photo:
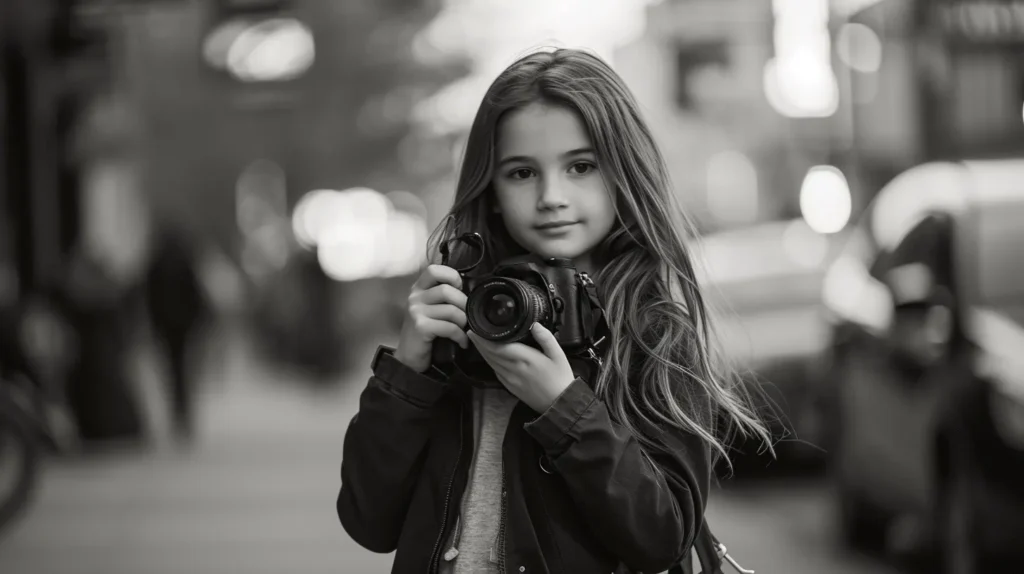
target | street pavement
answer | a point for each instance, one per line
(256, 495)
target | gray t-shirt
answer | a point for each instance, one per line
(472, 547)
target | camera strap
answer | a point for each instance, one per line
(593, 315)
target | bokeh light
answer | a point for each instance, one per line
(825, 201)
(276, 49)
(859, 47)
(799, 81)
(360, 233)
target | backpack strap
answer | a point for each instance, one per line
(710, 553)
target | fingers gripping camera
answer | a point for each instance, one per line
(503, 305)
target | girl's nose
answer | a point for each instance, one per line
(551, 196)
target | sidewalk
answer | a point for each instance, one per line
(256, 495)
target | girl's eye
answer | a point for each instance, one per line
(582, 168)
(520, 173)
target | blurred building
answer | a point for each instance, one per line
(71, 215)
(928, 80)
(286, 95)
(213, 118)
(66, 168)
(748, 96)
(699, 74)
(31, 163)
(743, 100)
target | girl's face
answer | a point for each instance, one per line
(549, 191)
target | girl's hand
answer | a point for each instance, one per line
(535, 377)
(437, 308)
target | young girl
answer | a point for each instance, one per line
(551, 470)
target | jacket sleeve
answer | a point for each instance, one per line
(647, 516)
(384, 449)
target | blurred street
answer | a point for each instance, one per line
(260, 180)
(257, 496)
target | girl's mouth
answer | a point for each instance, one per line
(555, 225)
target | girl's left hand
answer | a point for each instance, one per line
(535, 377)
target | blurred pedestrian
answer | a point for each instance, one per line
(100, 392)
(550, 462)
(177, 309)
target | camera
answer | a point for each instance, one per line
(502, 305)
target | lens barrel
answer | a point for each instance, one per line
(503, 309)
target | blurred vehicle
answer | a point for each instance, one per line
(26, 340)
(764, 281)
(926, 311)
(20, 450)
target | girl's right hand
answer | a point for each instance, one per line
(437, 308)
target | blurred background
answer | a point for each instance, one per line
(211, 212)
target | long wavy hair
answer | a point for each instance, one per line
(661, 364)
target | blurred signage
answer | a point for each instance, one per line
(982, 21)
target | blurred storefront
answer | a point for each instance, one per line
(122, 122)
(71, 211)
(697, 72)
(947, 83)
(250, 107)
(882, 85)
(31, 131)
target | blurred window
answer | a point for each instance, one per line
(926, 243)
(918, 273)
(996, 234)
(691, 60)
(984, 103)
(921, 263)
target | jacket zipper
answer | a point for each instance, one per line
(435, 555)
(501, 524)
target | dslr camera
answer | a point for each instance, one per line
(502, 305)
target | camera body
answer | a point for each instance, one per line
(502, 306)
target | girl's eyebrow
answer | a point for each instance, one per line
(580, 151)
(527, 159)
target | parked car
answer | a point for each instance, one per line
(764, 282)
(925, 306)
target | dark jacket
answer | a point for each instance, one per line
(578, 494)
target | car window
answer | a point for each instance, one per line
(917, 275)
(922, 257)
(997, 238)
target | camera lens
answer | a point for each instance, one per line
(500, 310)
(503, 309)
